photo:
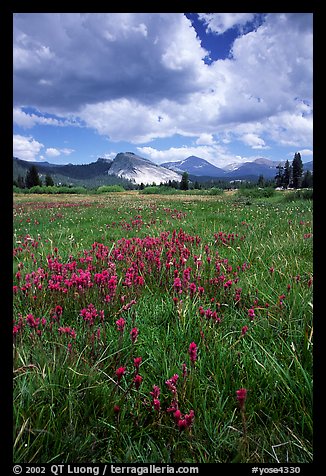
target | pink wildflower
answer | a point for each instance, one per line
(137, 381)
(120, 324)
(156, 392)
(241, 396)
(193, 352)
(134, 334)
(251, 314)
(137, 362)
(120, 372)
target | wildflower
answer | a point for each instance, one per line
(156, 392)
(137, 381)
(190, 418)
(171, 383)
(184, 370)
(177, 414)
(134, 334)
(193, 352)
(156, 404)
(241, 396)
(137, 362)
(116, 409)
(120, 324)
(58, 310)
(244, 330)
(120, 372)
(251, 314)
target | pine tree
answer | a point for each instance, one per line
(261, 181)
(287, 174)
(184, 184)
(49, 181)
(297, 170)
(279, 176)
(20, 181)
(32, 177)
(307, 181)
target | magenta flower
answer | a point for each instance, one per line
(134, 334)
(156, 404)
(241, 396)
(120, 372)
(137, 381)
(137, 362)
(193, 352)
(251, 314)
(156, 392)
(244, 330)
(120, 324)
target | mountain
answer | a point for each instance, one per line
(195, 166)
(133, 167)
(89, 175)
(128, 168)
(257, 167)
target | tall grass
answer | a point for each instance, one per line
(245, 301)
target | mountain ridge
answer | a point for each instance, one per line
(128, 168)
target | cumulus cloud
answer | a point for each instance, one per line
(28, 120)
(52, 152)
(138, 77)
(90, 58)
(216, 155)
(26, 148)
(221, 22)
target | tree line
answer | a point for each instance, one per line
(292, 176)
(33, 179)
(287, 176)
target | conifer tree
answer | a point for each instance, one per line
(297, 170)
(32, 177)
(184, 184)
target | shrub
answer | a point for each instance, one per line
(257, 192)
(302, 194)
(110, 188)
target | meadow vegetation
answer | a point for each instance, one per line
(162, 329)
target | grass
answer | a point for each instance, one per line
(246, 255)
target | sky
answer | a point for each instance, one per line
(226, 87)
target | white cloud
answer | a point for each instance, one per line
(221, 22)
(253, 141)
(29, 120)
(26, 148)
(216, 154)
(205, 139)
(142, 76)
(52, 152)
(67, 151)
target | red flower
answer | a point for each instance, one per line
(156, 404)
(193, 352)
(137, 381)
(244, 330)
(241, 396)
(134, 334)
(156, 392)
(120, 324)
(137, 362)
(120, 372)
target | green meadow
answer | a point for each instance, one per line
(137, 318)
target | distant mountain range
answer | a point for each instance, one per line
(128, 168)
(196, 166)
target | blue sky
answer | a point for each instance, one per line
(227, 87)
